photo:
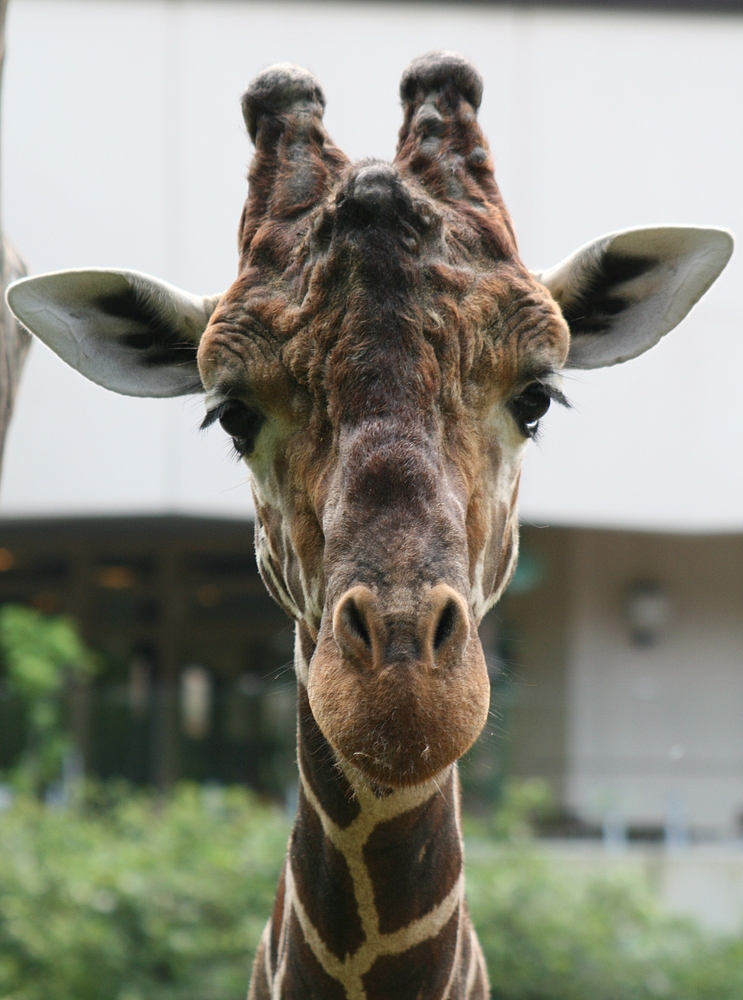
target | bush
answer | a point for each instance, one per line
(42, 656)
(126, 897)
(133, 899)
(547, 939)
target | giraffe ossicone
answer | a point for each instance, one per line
(380, 362)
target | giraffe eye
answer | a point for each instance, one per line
(528, 407)
(241, 422)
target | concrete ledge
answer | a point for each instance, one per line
(701, 881)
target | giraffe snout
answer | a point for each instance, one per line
(398, 683)
(434, 635)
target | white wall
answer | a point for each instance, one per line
(656, 733)
(123, 145)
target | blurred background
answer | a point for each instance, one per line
(617, 653)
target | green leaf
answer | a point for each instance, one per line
(40, 651)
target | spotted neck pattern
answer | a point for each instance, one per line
(370, 903)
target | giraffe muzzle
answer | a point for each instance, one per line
(398, 683)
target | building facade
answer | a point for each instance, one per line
(637, 724)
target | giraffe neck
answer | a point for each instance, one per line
(370, 904)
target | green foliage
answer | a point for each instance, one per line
(39, 650)
(127, 897)
(41, 654)
(545, 938)
(521, 805)
(133, 899)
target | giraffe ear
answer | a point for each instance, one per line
(126, 331)
(623, 292)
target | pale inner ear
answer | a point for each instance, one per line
(623, 292)
(123, 330)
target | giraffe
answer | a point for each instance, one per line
(380, 363)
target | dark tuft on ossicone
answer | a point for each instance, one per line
(437, 70)
(278, 90)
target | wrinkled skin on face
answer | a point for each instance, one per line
(371, 362)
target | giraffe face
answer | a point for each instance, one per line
(380, 363)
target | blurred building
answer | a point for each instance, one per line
(196, 661)
(627, 679)
(622, 641)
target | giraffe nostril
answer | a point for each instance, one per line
(356, 625)
(445, 626)
(354, 621)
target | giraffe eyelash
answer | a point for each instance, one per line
(212, 416)
(556, 395)
(240, 421)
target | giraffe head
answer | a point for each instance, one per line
(380, 363)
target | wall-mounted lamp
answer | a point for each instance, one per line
(196, 701)
(648, 608)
